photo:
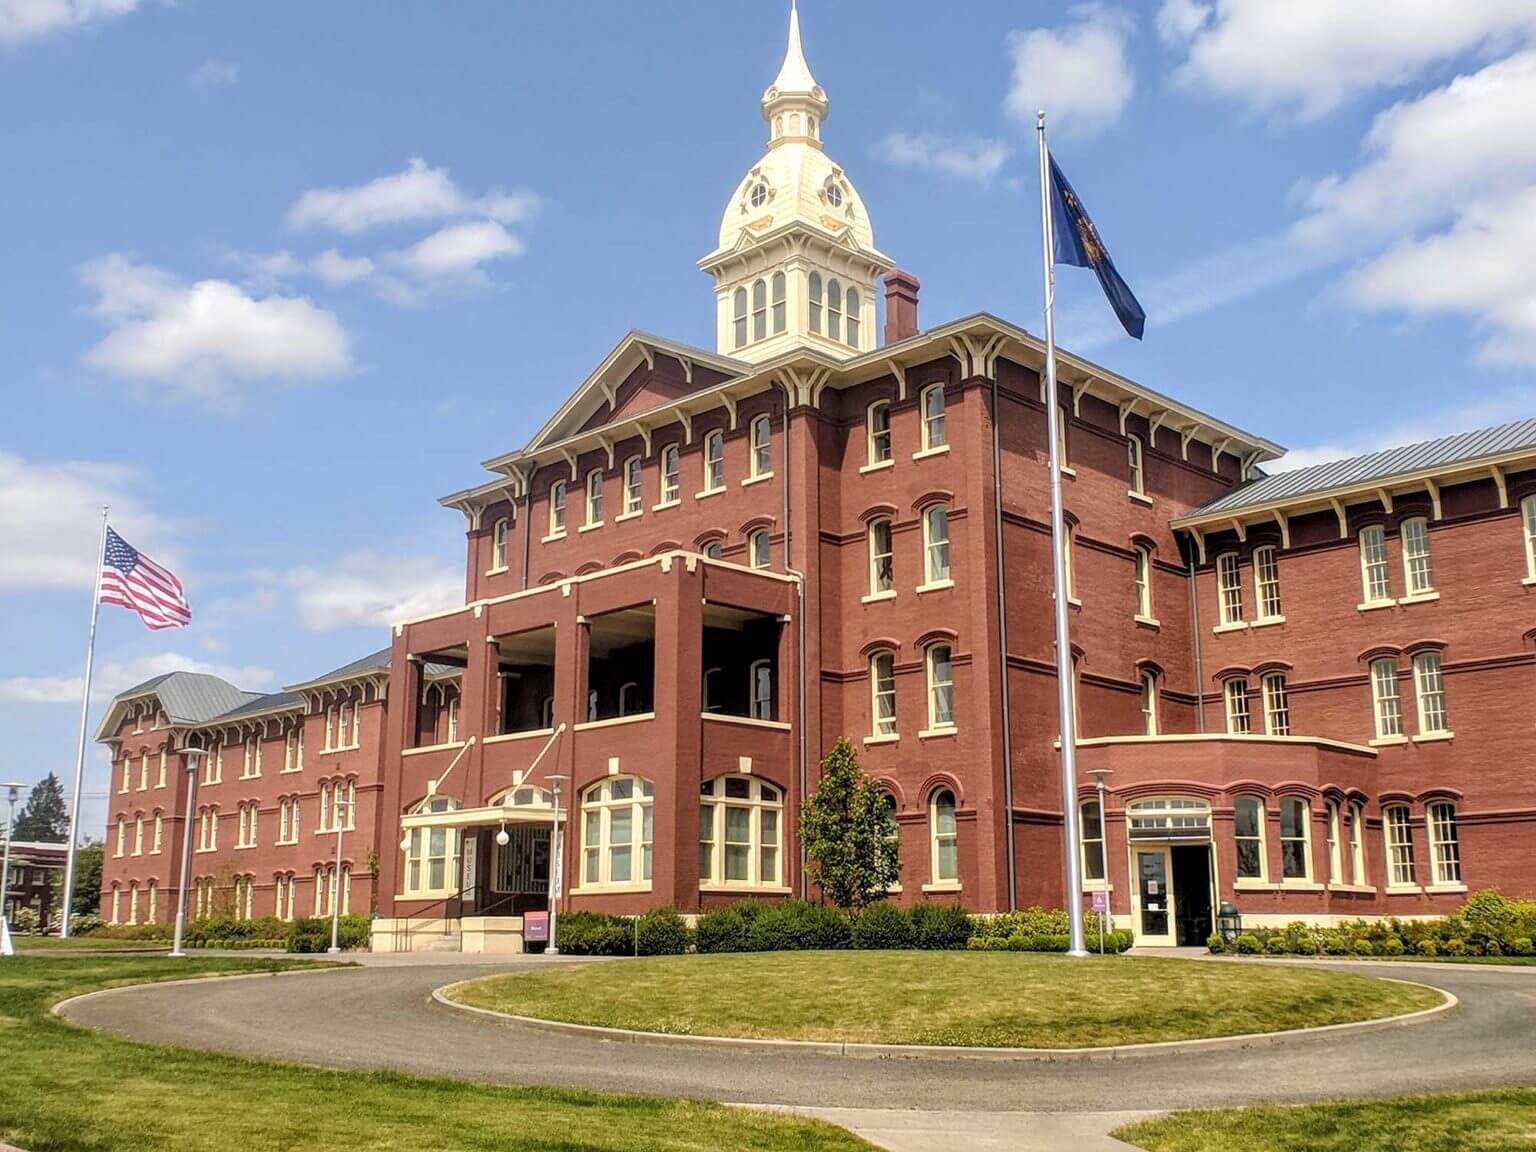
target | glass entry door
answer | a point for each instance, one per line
(1154, 897)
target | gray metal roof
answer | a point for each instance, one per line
(1429, 456)
(372, 664)
(267, 702)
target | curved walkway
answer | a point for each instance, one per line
(383, 1016)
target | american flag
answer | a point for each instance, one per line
(131, 579)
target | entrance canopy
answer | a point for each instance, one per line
(525, 804)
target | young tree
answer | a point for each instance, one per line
(44, 817)
(846, 826)
(87, 901)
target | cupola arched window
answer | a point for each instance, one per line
(778, 302)
(759, 309)
(813, 293)
(853, 318)
(739, 316)
(834, 309)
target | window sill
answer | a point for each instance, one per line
(502, 571)
(1255, 886)
(937, 733)
(1386, 741)
(423, 749)
(1148, 621)
(768, 889)
(1432, 737)
(749, 721)
(598, 889)
(923, 454)
(1300, 886)
(889, 738)
(635, 719)
(635, 515)
(560, 535)
(708, 492)
(943, 886)
(1373, 605)
(758, 479)
(1266, 621)
(1097, 886)
(592, 527)
(291, 771)
(934, 586)
(428, 894)
(355, 747)
(1240, 626)
(1529, 581)
(882, 465)
(1420, 598)
(1443, 889)
(1404, 890)
(876, 597)
(532, 734)
(665, 504)
(1359, 889)
(1139, 497)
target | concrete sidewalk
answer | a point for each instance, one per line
(901, 1130)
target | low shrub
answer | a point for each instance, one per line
(307, 934)
(776, 929)
(25, 921)
(1427, 948)
(1247, 944)
(1392, 946)
(882, 925)
(1306, 947)
(1276, 946)
(721, 930)
(939, 926)
(1363, 947)
(1455, 946)
(826, 928)
(661, 932)
(595, 934)
(1215, 944)
(1522, 946)
(84, 924)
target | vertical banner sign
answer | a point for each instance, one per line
(467, 887)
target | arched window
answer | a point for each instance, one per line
(138, 835)
(1335, 845)
(1357, 844)
(1295, 838)
(154, 902)
(714, 549)
(1277, 704)
(834, 310)
(669, 478)
(935, 544)
(1235, 694)
(711, 690)
(615, 829)
(1444, 843)
(813, 292)
(1248, 835)
(1149, 702)
(760, 549)
(133, 902)
(882, 572)
(547, 712)
(1375, 577)
(1266, 582)
(941, 687)
(344, 725)
(882, 692)
(778, 303)
(944, 837)
(1398, 831)
(1528, 518)
(878, 425)
(759, 309)
(117, 896)
(853, 317)
(1068, 574)
(1418, 576)
(1134, 465)
(761, 437)
(1429, 688)
(714, 461)
(1061, 438)
(1229, 588)
(892, 834)
(431, 856)
(934, 432)
(557, 508)
(633, 499)
(1092, 840)
(739, 317)
(158, 840)
(594, 497)
(1143, 578)
(761, 686)
(1385, 701)
(499, 545)
(629, 699)
(740, 822)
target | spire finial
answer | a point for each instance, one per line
(795, 74)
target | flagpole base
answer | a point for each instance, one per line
(1079, 952)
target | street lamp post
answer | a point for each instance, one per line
(340, 809)
(186, 848)
(1099, 776)
(556, 868)
(13, 794)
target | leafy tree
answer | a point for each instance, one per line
(44, 817)
(87, 901)
(847, 828)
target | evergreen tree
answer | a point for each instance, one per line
(849, 834)
(87, 901)
(44, 817)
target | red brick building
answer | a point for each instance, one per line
(707, 566)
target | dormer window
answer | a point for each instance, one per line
(834, 194)
(759, 194)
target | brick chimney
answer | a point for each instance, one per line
(900, 305)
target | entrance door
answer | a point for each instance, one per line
(1154, 896)
(1192, 893)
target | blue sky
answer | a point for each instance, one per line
(278, 275)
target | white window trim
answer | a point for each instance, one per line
(1368, 598)
(1388, 825)
(1141, 581)
(1306, 840)
(418, 843)
(875, 591)
(1379, 699)
(931, 577)
(1408, 531)
(637, 802)
(872, 459)
(756, 447)
(1151, 699)
(930, 445)
(558, 511)
(1335, 843)
(1229, 590)
(1136, 462)
(1230, 698)
(936, 882)
(1528, 530)
(756, 804)
(1437, 875)
(1277, 704)
(499, 532)
(670, 487)
(1428, 728)
(934, 724)
(634, 493)
(1263, 838)
(713, 437)
(876, 732)
(1267, 556)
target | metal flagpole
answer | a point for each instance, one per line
(1064, 686)
(85, 708)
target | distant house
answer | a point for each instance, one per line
(37, 871)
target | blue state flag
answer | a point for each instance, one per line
(1076, 241)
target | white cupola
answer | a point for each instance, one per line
(796, 262)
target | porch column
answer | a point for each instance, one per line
(399, 723)
(676, 764)
(477, 701)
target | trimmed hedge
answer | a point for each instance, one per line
(1488, 924)
(662, 932)
(882, 926)
(1040, 930)
(313, 933)
(595, 934)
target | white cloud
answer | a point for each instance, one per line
(1314, 55)
(22, 20)
(370, 591)
(199, 341)
(334, 268)
(970, 157)
(458, 250)
(113, 676)
(1484, 266)
(50, 520)
(214, 74)
(419, 193)
(1079, 73)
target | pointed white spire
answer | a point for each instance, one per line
(794, 76)
(794, 104)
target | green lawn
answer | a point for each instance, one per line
(63, 1089)
(86, 944)
(1472, 1122)
(991, 999)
